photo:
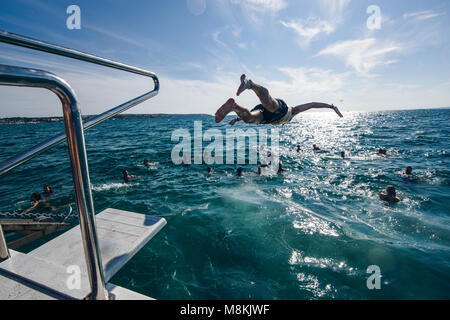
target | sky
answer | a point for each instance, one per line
(360, 55)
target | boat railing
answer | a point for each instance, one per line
(74, 134)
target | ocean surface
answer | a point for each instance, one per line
(308, 233)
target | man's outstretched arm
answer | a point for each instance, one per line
(311, 105)
(314, 105)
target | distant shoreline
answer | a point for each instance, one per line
(29, 120)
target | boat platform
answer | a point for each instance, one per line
(30, 229)
(57, 269)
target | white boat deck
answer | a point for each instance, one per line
(14, 289)
(121, 234)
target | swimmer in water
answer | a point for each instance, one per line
(408, 175)
(239, 171)
(260, 168)
(127, 177)
(408, 171)
(298, 148)
(48, 192)
(342, 154)
(270, 111)
(316, 148)
(149, 164)
(36, 200)
(382, 152)
(390, 195)
(280, 168)
(209, 170)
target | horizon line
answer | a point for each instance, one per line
(207, 114)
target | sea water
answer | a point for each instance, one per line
(311, 232)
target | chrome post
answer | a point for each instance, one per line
(4, 252)
(80, 173)
(16, 76)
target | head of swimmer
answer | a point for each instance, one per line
(390, 192)
(408, 170)
(239, 171)
(390, 196)
(35, 197)
(48, 190)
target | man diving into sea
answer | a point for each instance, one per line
(270, 111)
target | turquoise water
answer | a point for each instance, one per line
(309, 233)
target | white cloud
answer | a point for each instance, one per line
(332, 14)
(314, 80)
(215, 36)
(253, 9)
(363, 55)
(225, 52)
(307, 84)
(196, 7)
(195, 65)
(309, 29)
(422, 15)
(227, 39)
(193, 96)
(129, 39)
(261, 5)
(389, 96)
(236, 31)
(334, 8)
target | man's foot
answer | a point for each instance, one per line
(245, 84)
(224, 110)
(337, 111)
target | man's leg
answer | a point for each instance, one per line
(269, 103)
(246, 115)
(314, 105)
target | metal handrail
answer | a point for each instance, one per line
(16, 76)
(73, 122)
(27, 42)
(22, 41)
